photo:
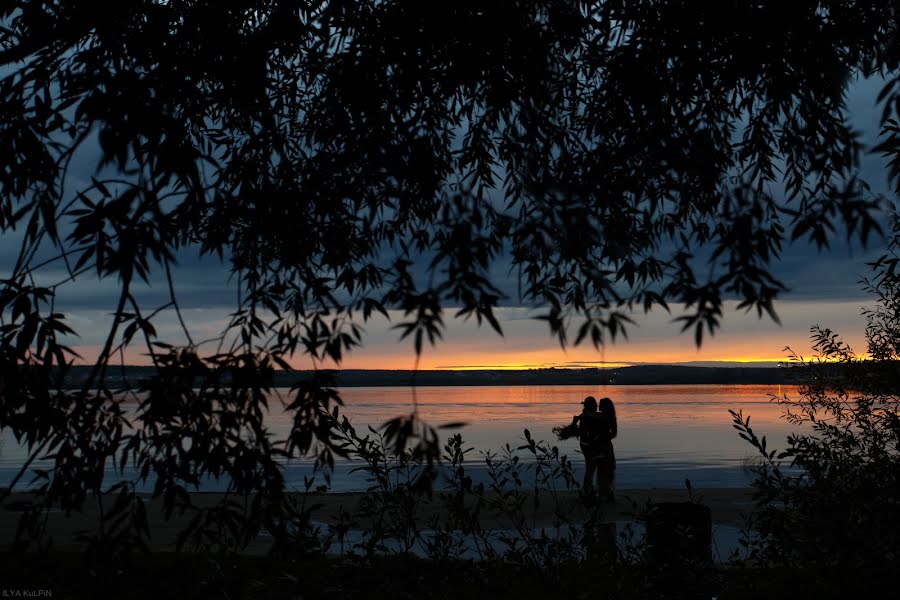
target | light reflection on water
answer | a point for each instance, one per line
(666, 432)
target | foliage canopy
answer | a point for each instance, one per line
(605, 152)
(351, 157)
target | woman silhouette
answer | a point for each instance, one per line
(606, 467)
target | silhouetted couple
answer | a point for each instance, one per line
(596, 429)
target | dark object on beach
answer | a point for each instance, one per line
(566, 432)
(600, 541)
(679, 533)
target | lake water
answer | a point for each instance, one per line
(667, 433)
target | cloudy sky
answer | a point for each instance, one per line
(825, 291)
(526, 342)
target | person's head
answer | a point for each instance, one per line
(607, 407)
(590, 404)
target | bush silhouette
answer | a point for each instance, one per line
(828, 500)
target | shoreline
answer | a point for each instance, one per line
(727, 506)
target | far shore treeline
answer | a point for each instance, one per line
(131, 376)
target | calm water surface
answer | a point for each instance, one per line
(666, 432)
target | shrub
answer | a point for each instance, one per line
(830, 498)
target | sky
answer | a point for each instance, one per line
(824, 290)
(527, 344)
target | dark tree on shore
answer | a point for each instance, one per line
(346, 158)
(827, 500)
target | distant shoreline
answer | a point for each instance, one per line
(632, 375)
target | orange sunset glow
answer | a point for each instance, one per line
(527, 344)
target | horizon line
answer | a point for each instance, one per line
(558, 367)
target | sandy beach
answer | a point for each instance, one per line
(727, 505)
